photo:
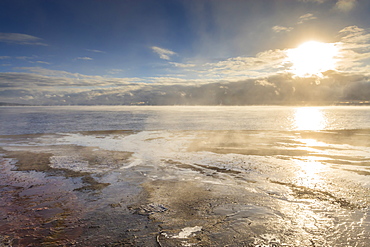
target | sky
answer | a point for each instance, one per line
(61, 52)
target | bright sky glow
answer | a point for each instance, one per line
(313, 58)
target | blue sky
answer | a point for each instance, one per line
(56, 47)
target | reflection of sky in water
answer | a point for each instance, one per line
(309, 118)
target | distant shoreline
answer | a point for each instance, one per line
(341, 103)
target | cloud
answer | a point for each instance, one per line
(355, 37)
(40, 62)
(345, 5)
(183, 65)
(264, 82)
(306, 17)
(38, 82)
(83, 58)
(21, 39)
(278, 29)
(355, 48)
(96, 51)
(163, 53)
(74, 78)
(341, 5)
(4, 57)
(167, 80)
(44, 86)
(351, 29)
(275, 89)
(25, 57)
(264, 63)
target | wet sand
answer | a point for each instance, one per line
(231, 188)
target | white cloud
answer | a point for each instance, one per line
(278, 29)
(83, 58)
(37, 77)
(183, 65)
(166, 80)
(20, 39)
(355, 48)
(56, 73)
(167, 90)
(4, 57)
(25, 57)
(345, 5)
(163, 53)
(264, 82)
(96, 51)
(351, 29)
(40, 62)
(306, 17)
(264, 63)
(355, 37)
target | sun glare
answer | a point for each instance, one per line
(309, 118)
(312, 58)
(309, 173)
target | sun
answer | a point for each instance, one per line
(312, 58)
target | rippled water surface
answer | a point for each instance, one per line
(185, 176)
(26, 120)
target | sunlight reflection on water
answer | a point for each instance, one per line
(309, 118)
(313, 143)
(309, 172)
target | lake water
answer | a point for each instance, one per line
(28, 120)
(212, 175)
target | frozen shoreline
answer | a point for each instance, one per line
(183, 188)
